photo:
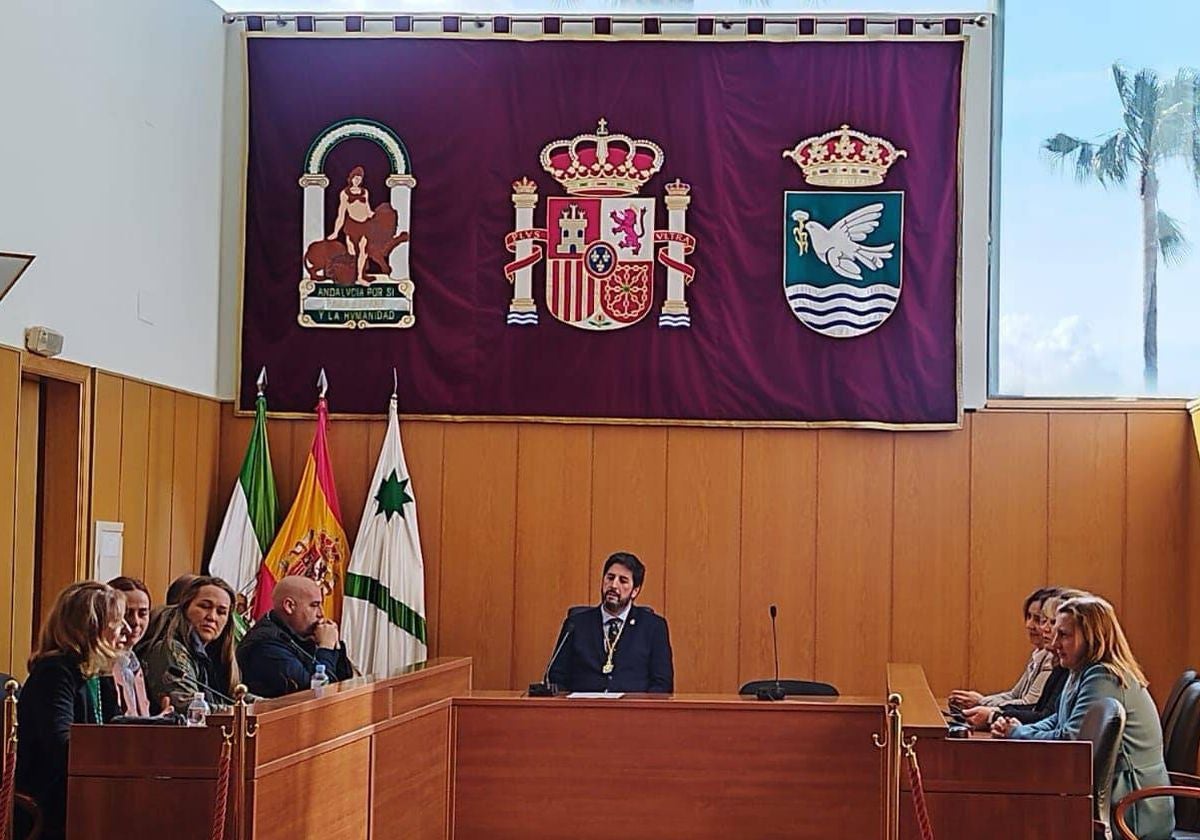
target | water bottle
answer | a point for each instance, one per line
(319, 679)
(197, 710)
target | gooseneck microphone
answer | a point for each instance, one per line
(546, 688)
(774, 692)
(196, 683)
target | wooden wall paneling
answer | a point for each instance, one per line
(423, 452)
(210, 506)
(1156, 506)
(353, 466)
(135, 459)
(1008, 540)
(703, 556)
(778, 551)
(854, 559)
(553, 539)
(629, 505)
(106, 453)
(234, 437)
(478, 541)
(160, 462)
(23, 628)
(930, 555)
(62, 489)
(1087, 502)
(10, 401)
(184, 558)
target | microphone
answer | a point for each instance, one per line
(179, 674)
(774, 692)
(546, 688)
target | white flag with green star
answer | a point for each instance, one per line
(383, 615)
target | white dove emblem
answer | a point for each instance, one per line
(839, 246)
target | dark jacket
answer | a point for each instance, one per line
(642, 662)
(275, 661)
(1047, 703)
(54, 697)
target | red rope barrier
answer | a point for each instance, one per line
(7, 782)
(918, 795)
(222, 798)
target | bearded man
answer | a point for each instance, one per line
(615, 646)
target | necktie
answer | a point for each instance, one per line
(614, 627)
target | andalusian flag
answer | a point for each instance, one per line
(311, 541)
(253, 513)
(384, 619)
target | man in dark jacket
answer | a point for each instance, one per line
(615, 646)
(281, 652)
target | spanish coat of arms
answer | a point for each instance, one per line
(600, 238)
(843, 251)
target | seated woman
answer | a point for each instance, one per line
(1091, 645)
(128, 677)
(77, 642)
(195, 638)
(982, 717)
(1028, 687)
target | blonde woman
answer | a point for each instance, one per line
(77, 643)
(1091, 645)
(983, 716)
(190, 646)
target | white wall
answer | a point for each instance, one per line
(234, 142)
(111, 158)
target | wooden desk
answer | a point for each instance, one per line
(989, 788)
(362, 758)
(688, 766)
(419, 755)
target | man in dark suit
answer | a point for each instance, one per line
(615, 646)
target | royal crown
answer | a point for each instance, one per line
(844, 158)
(602, 164)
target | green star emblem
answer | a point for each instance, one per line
(392, 496)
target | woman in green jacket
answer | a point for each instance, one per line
(1090, 643)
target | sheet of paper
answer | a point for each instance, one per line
(109, 549)
(597, 695)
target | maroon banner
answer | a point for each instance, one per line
(685, 231)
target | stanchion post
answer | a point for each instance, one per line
(243, 731)
(8, 759)
(891, 743)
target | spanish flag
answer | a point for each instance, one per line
(311, 541)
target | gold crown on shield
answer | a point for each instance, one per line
(602, 164)
(844, 158)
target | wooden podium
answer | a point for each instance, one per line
(420, 755)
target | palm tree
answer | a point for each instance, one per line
(1161, 122)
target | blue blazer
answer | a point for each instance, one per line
(642, 662)
(1140, 757)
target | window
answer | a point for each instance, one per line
(1085, 85)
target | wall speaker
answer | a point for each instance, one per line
(43, 341)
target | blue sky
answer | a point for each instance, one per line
(1070, 253)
